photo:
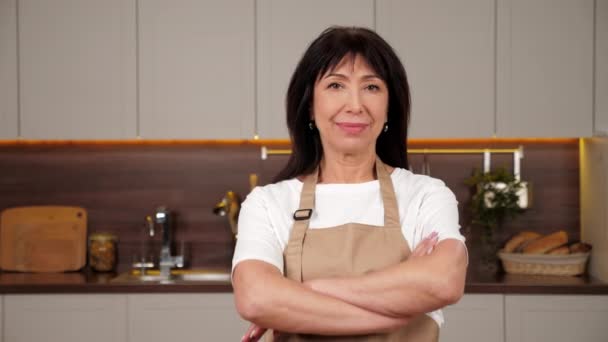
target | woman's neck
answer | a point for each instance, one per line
(347, 168)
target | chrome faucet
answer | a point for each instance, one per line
(163, 218)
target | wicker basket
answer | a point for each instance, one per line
(563, 265)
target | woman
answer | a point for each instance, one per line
(347, 244)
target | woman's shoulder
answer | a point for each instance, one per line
(406, 177)
(275, 191)
(411, 186)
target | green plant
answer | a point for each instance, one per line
(495, 198)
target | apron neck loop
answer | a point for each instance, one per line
(304, 213)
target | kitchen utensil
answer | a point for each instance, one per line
(43, 238)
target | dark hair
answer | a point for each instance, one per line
(323, 54)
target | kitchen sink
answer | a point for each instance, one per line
(177, 276)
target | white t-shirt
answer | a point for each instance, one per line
(265, 221)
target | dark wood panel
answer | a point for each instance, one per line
(120, 184)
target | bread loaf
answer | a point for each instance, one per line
(563, 250)
(546, 243)
(580, 247)
(519, 240)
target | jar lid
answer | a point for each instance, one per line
(102, 237)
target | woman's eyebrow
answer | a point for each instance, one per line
(364, 77)
(336, 75)
(367, 77)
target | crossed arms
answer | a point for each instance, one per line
(381, 301)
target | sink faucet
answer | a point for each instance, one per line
(229, 206)
(163, 218)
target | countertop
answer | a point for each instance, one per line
(89, 282)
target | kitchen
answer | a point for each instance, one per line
(121, 107)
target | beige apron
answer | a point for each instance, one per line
(351, 249)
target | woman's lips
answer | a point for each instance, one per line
(352, 128)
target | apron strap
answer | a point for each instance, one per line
(293, 255)
(389, 201)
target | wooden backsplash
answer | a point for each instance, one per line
(119, 184)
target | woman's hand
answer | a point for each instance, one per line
(255, 332)
(425, 247)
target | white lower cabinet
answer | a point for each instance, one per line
(65, 318)
(1, 321)
(476, 317)
(556, 318)
(213, 317)
(184, 318)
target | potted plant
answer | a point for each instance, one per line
(496, 199)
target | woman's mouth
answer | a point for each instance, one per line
(352, 128)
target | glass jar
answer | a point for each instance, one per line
(102, 252)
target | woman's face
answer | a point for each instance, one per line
(350, 106)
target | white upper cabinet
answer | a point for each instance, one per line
(447, 48)
(8, 70)
(601, 68)
(284, 31)
(545, 68)
(196, 69)
(77, 69)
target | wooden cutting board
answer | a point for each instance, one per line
(43, 239)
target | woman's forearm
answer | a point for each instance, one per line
(264, 297)
(418, 285)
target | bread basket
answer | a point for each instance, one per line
(543, 264)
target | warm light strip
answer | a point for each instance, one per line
(278, 142)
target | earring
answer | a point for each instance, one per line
(311, 125)
(385, 127)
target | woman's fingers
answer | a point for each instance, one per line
(425, 246)
(247, 336)
(253, 333)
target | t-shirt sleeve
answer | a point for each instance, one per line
(439, 213)
(257, 240)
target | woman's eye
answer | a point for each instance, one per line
(373, 87)
(334, 85)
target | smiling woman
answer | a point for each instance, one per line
(347, 243)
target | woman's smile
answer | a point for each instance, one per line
(352, 128)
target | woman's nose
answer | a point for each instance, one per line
(354, 102)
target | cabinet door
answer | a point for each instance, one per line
(556, 318)
(184, 318)
(65, 318)
(447, 48)
(77, 69)
(601, 68)
(476, 317)
(284, 30)
(545, 68)
(8, 70)
(2, 338)
(196, 61)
